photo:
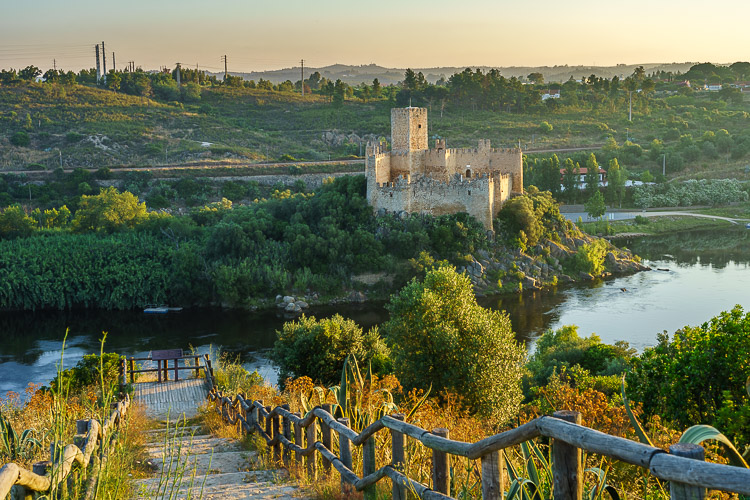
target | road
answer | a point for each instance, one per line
(573, 216)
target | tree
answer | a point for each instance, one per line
(699, 375)
(441, 337)
(570, 180)
(14, 222)
(616, 178)
(592, 175)
(595, 206)
(318, 348)
(29, 73)
(108, 211)
(536, 78)
(376, 88)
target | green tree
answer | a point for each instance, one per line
(591, 178)
(536, 78)
(595, 206)
(318, 348)
(699, 376)
(376, 90)
(29, 73)
(570, 180)
(14, 222)
(616, 178)
(441, 337)
(108, 211)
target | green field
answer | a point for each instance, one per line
(703, 135)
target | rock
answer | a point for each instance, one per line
(565, 278)
(302, 304)
(483, 254)
(282, 305)
(279, 298)
(585, 276)
(292, 308)
(530, 283)
(288, 299)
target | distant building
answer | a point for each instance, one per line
(712, 87)
(415, 179)
(582, 171)
(550, 94)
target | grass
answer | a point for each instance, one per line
(655, 225)
(94, 128)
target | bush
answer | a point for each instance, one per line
(88, 371)
(699, 376)
(441, 337)
(590, 257)
(318, 349)
(20, 139)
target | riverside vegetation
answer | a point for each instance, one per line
(119, 255)
(467, 373)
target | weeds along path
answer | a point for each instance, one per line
(189, 463)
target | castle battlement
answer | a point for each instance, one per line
(413, 178)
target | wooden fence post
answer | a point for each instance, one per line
(398, 440)
(325, 433)
(176, 363)
(681, 491)
(269, 431)
(132, 371)
(440, 477)
(312, 435)
(287, 432)
(493, 482)
(345, 454)
(567, 470)
(276, 435)
(298, 440)
(197, 368)
(368, 466)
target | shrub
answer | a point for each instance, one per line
(590, 257)
(441, 337)
(699, 376)
(318, 348)
(88, 371)
(20, 139)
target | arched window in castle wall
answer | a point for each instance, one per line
(468, 172)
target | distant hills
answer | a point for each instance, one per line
(353, 75)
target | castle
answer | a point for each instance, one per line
(413, 178)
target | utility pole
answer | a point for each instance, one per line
(630, 105)
(54, 64)
(114, 64)
(224, 58)
(98, 65)
(104, 62)
(664, 165)
(302, 79)
(177, 71)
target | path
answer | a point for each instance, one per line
(173, 398)
(190, 464)
(573, 216)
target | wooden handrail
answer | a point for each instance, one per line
(572, 437)
(128, 371)
(12, 475)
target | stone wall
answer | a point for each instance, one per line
(408, 129)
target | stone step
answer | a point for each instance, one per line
(217, 462)
(230, 485)
(195, 445)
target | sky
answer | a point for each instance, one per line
(393, 33)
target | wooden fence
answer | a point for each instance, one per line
(51, 476)
(285, 432)
(128, 366)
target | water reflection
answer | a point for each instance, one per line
(707, 272)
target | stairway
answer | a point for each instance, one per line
(193, 465)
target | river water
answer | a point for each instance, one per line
(696, 276)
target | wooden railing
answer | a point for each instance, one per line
(128, 366)
(53, 475)
(287, 432)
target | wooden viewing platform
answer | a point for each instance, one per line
(164, 397)
(173, 398)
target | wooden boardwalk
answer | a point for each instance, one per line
(176, 398)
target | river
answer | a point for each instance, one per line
(696, 276)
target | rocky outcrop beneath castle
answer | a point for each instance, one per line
(505, 270)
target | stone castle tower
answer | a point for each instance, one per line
(413, 178)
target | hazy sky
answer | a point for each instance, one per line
(397, 33)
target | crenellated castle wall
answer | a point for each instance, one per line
(439, 181)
